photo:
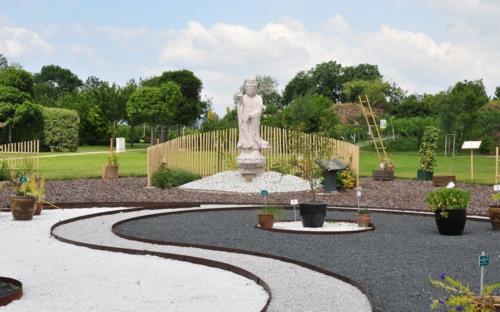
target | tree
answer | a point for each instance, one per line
(298, 86)
(497, 93)
(328, 79)
(53, 82)
(3, 62)
(154, 105)
(190, 107)
(17, 78)
(375, 89)
(361, 72)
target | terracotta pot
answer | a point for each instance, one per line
(364, 220)
(38, 208)
(22, 207)
(110, 172)
(494, 211)
(266, 220)
(13, 292)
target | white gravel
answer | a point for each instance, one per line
(59, 277)
(232, 181)
(327, 227)
(294, 288)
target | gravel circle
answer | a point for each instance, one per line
(393, 263)
(397, 194)
(233, 181)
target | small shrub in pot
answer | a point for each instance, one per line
(449, 206)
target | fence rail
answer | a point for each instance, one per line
(212, 152)
(20, 155)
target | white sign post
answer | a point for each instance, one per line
(471, 145)
(120, 145)
(294, 203)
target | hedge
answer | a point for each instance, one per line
(60, 129)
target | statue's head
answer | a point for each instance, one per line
(251, 86)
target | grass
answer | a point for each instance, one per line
(133, 163)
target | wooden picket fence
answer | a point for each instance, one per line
(21, 155)
(212, 152)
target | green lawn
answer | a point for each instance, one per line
(407, 165)
(133, 163)
(74, 166)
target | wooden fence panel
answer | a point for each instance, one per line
(21, 155)
(211, 152)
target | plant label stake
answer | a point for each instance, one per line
(358, 195)
(294, 203)
(484, 260)
(496, 188)
(264, 193)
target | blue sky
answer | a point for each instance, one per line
(424, 46)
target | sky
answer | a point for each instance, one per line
(423, 46)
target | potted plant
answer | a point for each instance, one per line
(22, 205)
(386, 171)
(111, 170)
(427, 152)
(36, 184)
(459, 297)
(268, 215)
(363, 217)
(494, 211)
(449, 206)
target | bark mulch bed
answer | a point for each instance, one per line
(397, 194)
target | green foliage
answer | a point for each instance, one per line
(376, 90)
(54, 82)
(346, 179)
(312, 113)
(459, 297)
(3, 62)
(17, 78)
(448, 198)
(113, 159)
(486, 144)
(5, 174)
(167, 178)
(428, 148)
(60, 129)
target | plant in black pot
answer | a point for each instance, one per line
(427, 152)
(303, 162)
(449, 206)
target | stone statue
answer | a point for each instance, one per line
(249, 109)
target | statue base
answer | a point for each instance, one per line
(251, 163)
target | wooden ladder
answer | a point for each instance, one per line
(497, 167)
(373, 127)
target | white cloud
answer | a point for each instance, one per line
(122, 34)
(16, 41)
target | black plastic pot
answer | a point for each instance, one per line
(454, 224)
(423, 175)
(313, 214)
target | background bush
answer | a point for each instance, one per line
(60, 129)
(167, 178)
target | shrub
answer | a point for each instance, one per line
(346, 179)
(60, 130)
(5, 174)
(448, 198)
(428, 148)
(167, 178)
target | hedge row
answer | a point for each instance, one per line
(60, 129)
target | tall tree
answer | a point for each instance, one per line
(17, 78)
(53, 82)
(298, 86)
(3, 62)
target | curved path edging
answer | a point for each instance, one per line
(185, 252)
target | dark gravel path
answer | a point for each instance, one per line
(397, 194)
(393, 263)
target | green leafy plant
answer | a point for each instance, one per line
(447, 198)
(36, 186)
(277, 212)
(363, 211)
(167, 178)
(346, 179)
(113, 159)
(5, 174)
(428, 148)
(495, 197)
(459, 297)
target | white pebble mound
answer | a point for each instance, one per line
(328, 226)
(233, 181)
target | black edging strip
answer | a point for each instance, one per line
(370, 228)
(233, 250)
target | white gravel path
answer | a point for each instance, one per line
(294, 288)
(327, 227)
(59, 277)
(232, 181)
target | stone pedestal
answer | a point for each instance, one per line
(251, 163)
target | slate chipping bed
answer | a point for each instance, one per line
(393, 263)
(397, 194)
